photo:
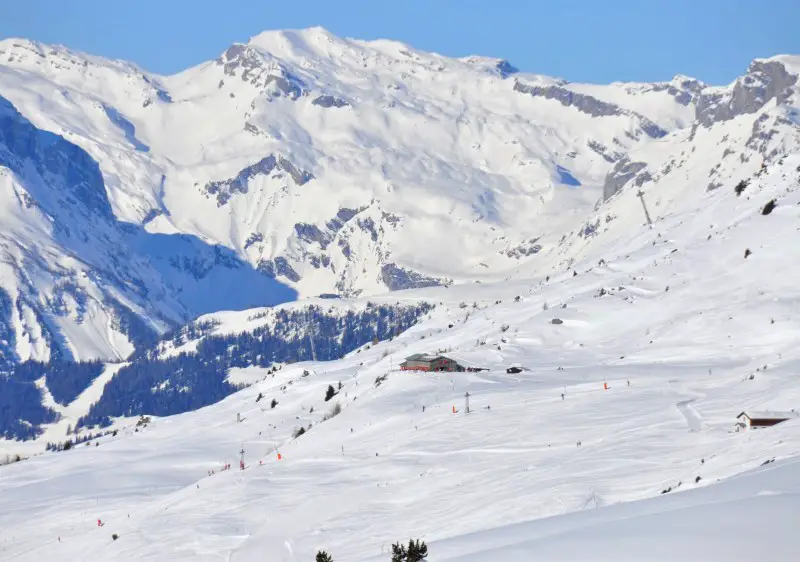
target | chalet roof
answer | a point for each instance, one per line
(428, 357)
(768, 415)
(422, 357)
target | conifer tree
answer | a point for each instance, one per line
(399, 552)
(417, 551)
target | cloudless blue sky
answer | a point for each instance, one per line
(580, 40)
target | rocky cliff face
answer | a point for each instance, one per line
(591, 106)
(622, 173)
(765, 81)
(50, 156)
(766, 97)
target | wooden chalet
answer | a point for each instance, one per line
(426, 362)
(754, 419)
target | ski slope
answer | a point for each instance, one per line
(685, 331)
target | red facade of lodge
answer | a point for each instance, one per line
(437, 363)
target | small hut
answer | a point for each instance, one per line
(754, 419)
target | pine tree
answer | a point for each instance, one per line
(323, 556)
(399, 553)
(274, 403)
(330, 393)
(417, 551)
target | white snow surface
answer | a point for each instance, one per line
(685, 331)
(456, 169)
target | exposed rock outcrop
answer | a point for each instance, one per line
(587, 104)
(329, 101)
(623, 172)
(268, 75)
(764, 81)
(397, 278)
(223, 190)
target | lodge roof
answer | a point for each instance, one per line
(426, 357)
(768, 415)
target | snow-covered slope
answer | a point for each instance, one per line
(749, 516)
(684, 328)
(78, 283)
(351, 167)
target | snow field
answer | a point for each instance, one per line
(509, 482)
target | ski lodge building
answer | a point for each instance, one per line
(753, 419)
(426, 362)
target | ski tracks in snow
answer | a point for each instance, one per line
(693, 419)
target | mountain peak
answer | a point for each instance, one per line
(491, 64)
(687, 81)
(294, 42)
(790, 62)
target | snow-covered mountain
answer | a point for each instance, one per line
(301, 163)
(615, 439)
(462, 208)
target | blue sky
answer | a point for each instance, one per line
(580, 40)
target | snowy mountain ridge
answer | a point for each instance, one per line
(301, 163)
